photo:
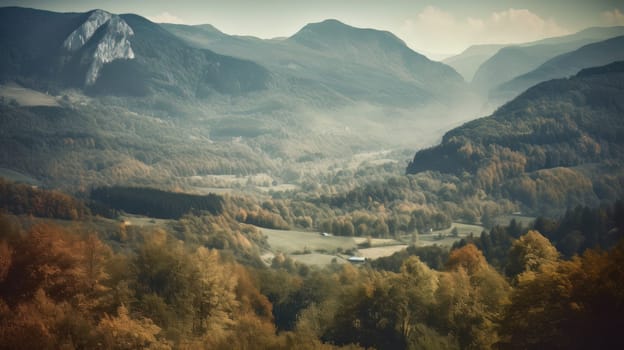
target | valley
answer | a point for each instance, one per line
(172, 186)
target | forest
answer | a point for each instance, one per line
(556, 146)
(93, 283)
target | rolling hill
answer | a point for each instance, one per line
(559, 144)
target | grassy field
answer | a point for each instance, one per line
(378, 252)
(445, 237)
(313, 249)
(377, 242)
(18, 177)
(289, 242)
(505, 219)
(26, 97)
(142, 221)
(318, 259)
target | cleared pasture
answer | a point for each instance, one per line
(378, 252)
(318, 259)
(446, 237)
(290, 241)
(142, 221)
(504, 220)
(18, 177)
(26, 97)
(376, 242)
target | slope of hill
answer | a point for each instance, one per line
(512, 61)
(559, 144)
(592, 55)
(97, 143)
(467, 62)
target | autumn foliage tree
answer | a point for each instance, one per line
(575, 304)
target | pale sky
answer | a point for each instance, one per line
(430, 27)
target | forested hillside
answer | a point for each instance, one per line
(557, 145)
(100, 284)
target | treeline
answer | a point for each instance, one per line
(61, 289)
(579, 229)
(387, 206)
(163, 288)
(467, 304)
(156, 203)
(22, 199)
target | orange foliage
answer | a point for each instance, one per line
(469, 257)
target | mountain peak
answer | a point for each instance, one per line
(82, 34)
(330, 22)
(113, 44)
(332, 33)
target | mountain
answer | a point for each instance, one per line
(559, 144)
(467, 62)
(374, 48)
(592, 55)
(104, 53)
(347, 62)
(512, 61)
(119, 99)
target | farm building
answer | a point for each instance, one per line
(356, 259)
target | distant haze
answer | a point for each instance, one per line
(436, 28)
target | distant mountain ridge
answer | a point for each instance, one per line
(467, 62)
(325, 64)
(357, 63)
(514, 60)
(568, 64)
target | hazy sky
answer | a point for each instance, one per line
(440, 27)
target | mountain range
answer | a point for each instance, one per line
(468, 61)
(514, 60)
(348, 62)
(330, 90)
(564, 65)
(122, 55)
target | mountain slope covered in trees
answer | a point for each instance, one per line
(557, 145)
